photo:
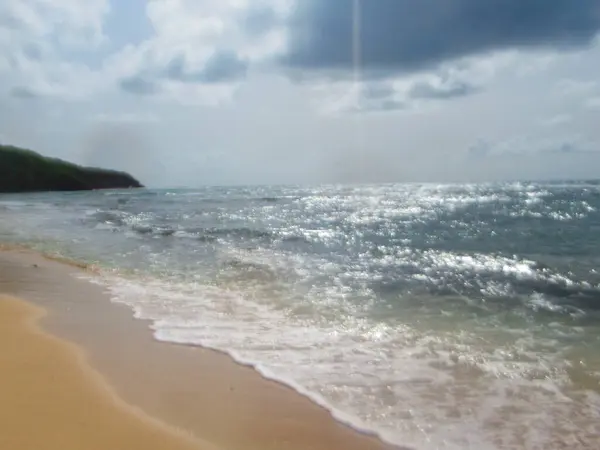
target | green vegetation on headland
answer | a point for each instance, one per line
(23, 170)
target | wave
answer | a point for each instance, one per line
(240, 272)
(239, 232)
(236, 319)
(203, 234)
(295, 239)
(506, 282)
(143, 224)
(367, 375)
(115, 218)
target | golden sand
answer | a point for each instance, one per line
(51, 399)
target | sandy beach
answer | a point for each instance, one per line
(144, 394)
(52, 399)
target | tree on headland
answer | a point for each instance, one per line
(23, 170)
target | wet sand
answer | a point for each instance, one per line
(199, 391)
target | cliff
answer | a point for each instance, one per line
(23, 170)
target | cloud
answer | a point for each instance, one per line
(574, 87)
(378, 91)
(9, 21)
(259, 20)
(378, 96)
(22, 93)
(386, 97)
(33, 51)
(388, 104)
(38, 39)
(221, 67)
(593, 103)
(401, 93)
(399, 36)
(139, 85)
(198, 43)
(559, 119)
(422, 88)
(443, 91)
(532, 145)
(69, 22)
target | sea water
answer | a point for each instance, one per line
(438, 316)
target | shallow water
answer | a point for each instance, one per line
(441, 316)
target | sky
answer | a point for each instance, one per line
(203, 92)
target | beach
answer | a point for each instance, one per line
(83, 374)
(52, 399)
(433, 317)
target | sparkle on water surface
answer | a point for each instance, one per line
(442, 316)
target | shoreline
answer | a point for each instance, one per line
(202, 391)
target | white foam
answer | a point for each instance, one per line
(420, 387)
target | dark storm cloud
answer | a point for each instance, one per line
(408, 35)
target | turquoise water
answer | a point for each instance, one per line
(440, 316)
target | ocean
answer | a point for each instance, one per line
(439, 316)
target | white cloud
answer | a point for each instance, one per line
(35, 38)
(190, 31)
(68, 22)
(191, 34)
